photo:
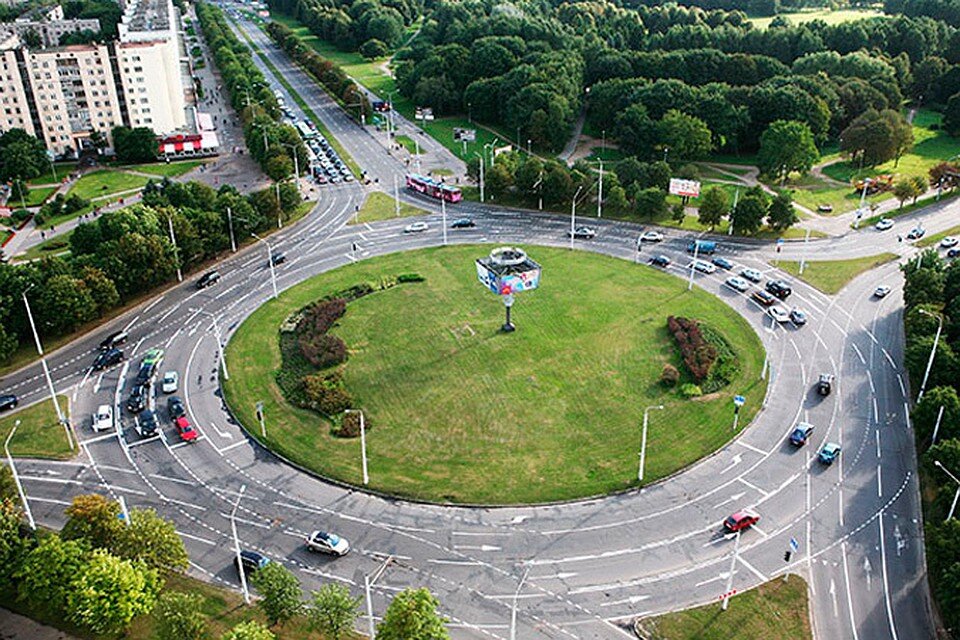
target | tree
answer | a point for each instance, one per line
(412, 615)
(713, 206)
(21, 155)
(781, 214)
(923, 286)
(109, 592)
(951, 115)
(687, 137)
(787, 146)
(916, 356)
(251, 630)
(179, 617)
(278, 166)
(12, 544)
(135, 145)
(920, 187)
(8, 346)
(924, 415)
(651, 202)
(8, 488)
(93, 518)
(877, 136)
(616, 199)
(678, 212)
(498, 179)
(280, 590)
(151, 540)
(904, 189)
(373, 49)
(748, 215)
(334, 611)
(47, 571)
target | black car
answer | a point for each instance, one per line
(251, 560)
(175, 407)
(208, 279)
(660, 261)
(953, 253)
(8, 402)
(107, 358)
(137, 401)
(825, 384)
(723, 263)
(148, 424)
(278, 258)
(114, 339)
(145, 374)
(779, 288)
(763, 298)
(463, 223)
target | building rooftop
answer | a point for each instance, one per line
(146, 16)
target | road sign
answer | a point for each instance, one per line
(794, 544)
(739, 400)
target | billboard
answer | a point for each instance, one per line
(513, 281)
(464, 135)
(423, 113)
(685, 188)
(487, 278)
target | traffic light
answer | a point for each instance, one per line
(786, 556)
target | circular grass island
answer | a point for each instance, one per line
(462, 413)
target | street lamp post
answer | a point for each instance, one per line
(276, 186)
(176, 249)
(443, 213)
(733, 566)
(16, 477)
(956, 496)
(363, 445)
(236, 546)
(573, 215)
(600, 191)
(513, 608)
(233, 241)
(273, 273)
(481, 174)
(643, 441)
(696, 252)
(933, 351)
(46, 369)
(296, 161)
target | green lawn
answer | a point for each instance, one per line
(380, 206)
(777, 609)
(407, 143)
(831, 17)
(830, 276)
(106, 182)
(463, 413)
(812, 192)
(62, 169)
(52, 247)
(164, 169)
(33, 198)
(39, 434)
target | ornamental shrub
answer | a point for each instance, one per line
(690, 390)
(326, 394)
(670, 376)
(698, 354)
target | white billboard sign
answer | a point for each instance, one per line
(685, 188)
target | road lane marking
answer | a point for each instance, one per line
(886, 583)
(859, 354)
(751, 447)
(750, 485)
(197, 538)
(879, 484)
(753, 569)
(846, 580)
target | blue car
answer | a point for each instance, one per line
(801, 434)
(723, 263)
(829, 453)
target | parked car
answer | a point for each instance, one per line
(327, 543)
(107, 358)
(883, 224)
(416, 227)
(737, 284)
(829, 453)
(147, 424)
(825, 384)
(651, 236)
(137, 401)
(763, 298)
(208, 279)
(778, 313)
(798, 317)
(114, 339)
(8, 402)
(251, 561)
(103, 418)
(916, 233)
(740, 520)
(185, 429)
(171, 380)
(723, 263)
(463, 223)
(175, 407)
(949, 241)
(779, 288)
(702, 266)
(583, 233)
(752, 275)
(801, 433)
(881, 291)
(660, 261)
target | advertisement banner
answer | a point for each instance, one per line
(464, 135)
(685, 188)
(518, 282)
(487, 278)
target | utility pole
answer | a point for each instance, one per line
(216, 331)
(443, 213)
(806, 242)
(933, 352)
(956, 496)
(16, 477)
(236, 546)
(176, 250)
(733, 567)
(513, 608)
(279, 208)
(46, 369)
(573, 216)
(696, 251)
(481, 174)
(600, 192)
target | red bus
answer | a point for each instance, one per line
(434, 189)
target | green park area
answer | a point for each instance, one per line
(165, 169)
(460, 412)
(380, 206)
(777, 609)
(830, 16)
(39, 434)
(830, 276)
(106, 182)
(59, 171)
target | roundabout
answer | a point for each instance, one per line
(461, 412)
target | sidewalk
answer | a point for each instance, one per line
(14, 626)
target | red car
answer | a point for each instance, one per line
(740, 520)
(184, 428)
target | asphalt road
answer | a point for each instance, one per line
(590, 567)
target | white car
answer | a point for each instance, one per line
(327, 543)
(103, 418)
(171, 380)
(702, 266)
(883, 224)
(948, 242)
(752, 275)
(416, 227)
(737, 284)
(651, 236)
(881, 291)
(778, 313)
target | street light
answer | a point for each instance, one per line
(513, 608)
(233, 241)
(46, 369)
(216, 331)
(176, 249)
(363, 445)
(957, 494)
(296, 161)
(643, 441)
(236, 546)
(273, 273)
(573, 215)
(16, 477)
(481, 174)
(933, 351)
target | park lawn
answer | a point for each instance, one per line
(33, 198)
(775, 609)
(39, 435)
(55, 246)
(830, 276)
(166, 169)
(460, 412)
(106, 182)
(380, 206)
(811, 192)
(831, 17)
(62, 169)
(407, 143)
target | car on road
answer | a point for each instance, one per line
(185, 429)
(801, 433)
(145, 374)
(778, 313)
(740, 520)
(953, 253)
(147, 424)
(208, 279)
(825, 384)
(463, 223)
(916, 233)
(660, 261)
(798, 317)
(171, 380)
(651, 236)
(175, 407)
(881, 291)
(583, 233)
(416, 227)
(137, 401)
(114, 339)
(327, 543)
(702, 266)
(779, 288)
(883, 224)
(277, 257)
(752, 275)
(707, 247)
(737, 284)
(252, 561)
(949, 241)
(763, 298)
(103, 418)
(153, 356)
(723, 263)
(8, 402)
(829, 453)
(107, 358)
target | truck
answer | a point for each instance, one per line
(702, 247)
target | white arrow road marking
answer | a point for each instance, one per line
(607, 587)
(470, 547)
(833, 595)
(96, 384)
(222, 434)
(722, 576)
(462, 563)
(563, 575)
(630, 600)
(737, 459)
(735, 497)
(518, 519)
(867, 569)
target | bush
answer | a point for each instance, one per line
(698, 354)
(373, 48)
(19, 216)
(323, 350)
(320, 317)
(410, 277)
(690, 390)
(727, 365)
(326, 394)
(670, 376)
(349, 426)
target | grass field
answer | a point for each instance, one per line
(830, 276)
(62, 169)
(106, 182)
(380, 206)
(39, 434)
(33, 198)
(52, 247)
(463, 413)
(164, 169)
(777, 609)
(829, 16)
